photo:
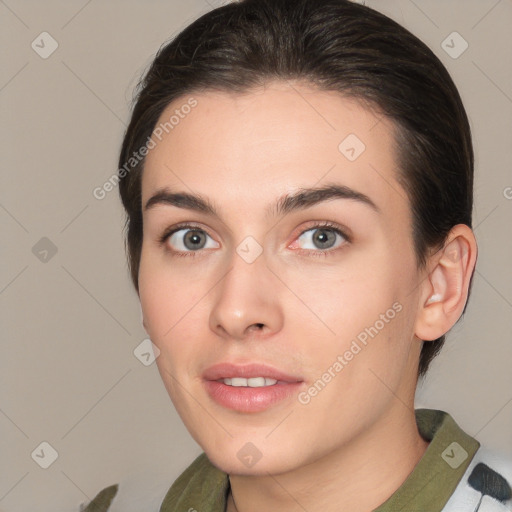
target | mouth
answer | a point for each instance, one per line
(253, 382)
(249, 388)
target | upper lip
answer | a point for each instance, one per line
(230, 370)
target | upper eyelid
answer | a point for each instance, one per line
(186, 226)
(189, 226)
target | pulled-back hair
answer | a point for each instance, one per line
(334, 45)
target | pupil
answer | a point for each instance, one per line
(194, 237)
(323, 237)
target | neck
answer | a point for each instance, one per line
(357, 477)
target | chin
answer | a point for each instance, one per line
(232, 466)
(249, 458)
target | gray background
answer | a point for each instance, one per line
(70, 324)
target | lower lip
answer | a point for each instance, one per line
(247, 399)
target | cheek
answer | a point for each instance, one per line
(361, 310)
(171, 304)
(159, 296)
(346, 299)
(152, 298)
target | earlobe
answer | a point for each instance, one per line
(445, 290)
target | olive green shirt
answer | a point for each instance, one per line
(204, 487)
(428, 488)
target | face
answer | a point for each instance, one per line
(318, 289)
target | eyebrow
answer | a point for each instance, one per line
(300, 200)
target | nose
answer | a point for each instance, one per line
(246, 301)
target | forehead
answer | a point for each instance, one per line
(246, 149)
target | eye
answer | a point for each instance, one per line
(187, 239)
(322, 237)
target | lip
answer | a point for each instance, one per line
(230, 370)
(247, 399)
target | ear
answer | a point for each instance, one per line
(444, 293)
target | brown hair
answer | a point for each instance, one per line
(335, 45)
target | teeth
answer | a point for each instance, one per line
(253, 382)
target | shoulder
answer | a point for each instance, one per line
(486, 484)
(200, 485)
(103, 500)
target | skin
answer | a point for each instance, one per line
(356, 441)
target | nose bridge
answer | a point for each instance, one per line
(245, 296)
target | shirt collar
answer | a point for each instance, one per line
(204, 487)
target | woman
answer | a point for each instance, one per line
(298, 182)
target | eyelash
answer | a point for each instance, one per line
(308, 252)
